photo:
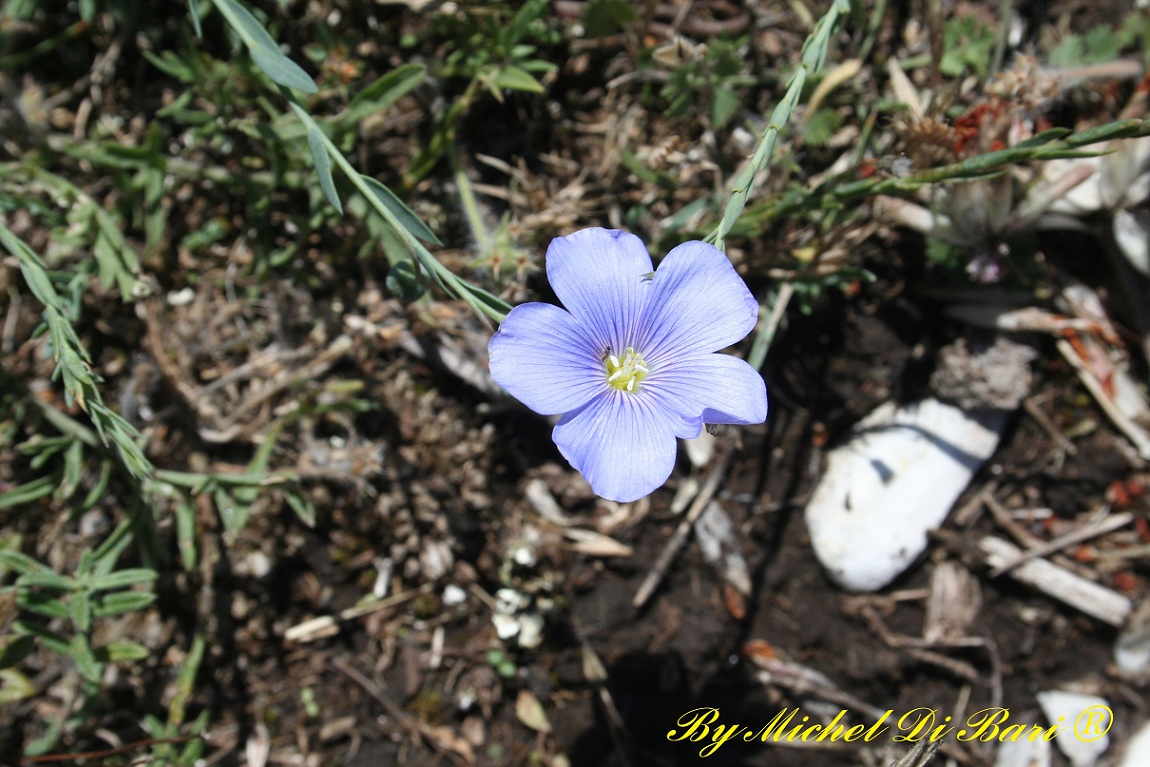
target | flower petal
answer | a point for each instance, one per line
(623, 444)
(698, 303)
(717, 388)
(598, 274)
(544, 359)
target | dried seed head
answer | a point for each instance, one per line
(928, 141)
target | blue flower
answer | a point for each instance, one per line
(631, 364)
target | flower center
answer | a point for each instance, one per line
(625, 373)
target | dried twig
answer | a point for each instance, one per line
(418, 731)
(1087, 531)
(596, 674)
(324, 624)
(667, 556)
(1048, 426)
(1106, 395)
(1007, 523)
(1062, 584)
(919, 756)
(806, 681)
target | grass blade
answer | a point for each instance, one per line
(265, 53)
(323, 167)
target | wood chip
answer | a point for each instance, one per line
(955, 599)
(1092, 529)
(1058, 582)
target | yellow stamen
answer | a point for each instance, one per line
(626, 373)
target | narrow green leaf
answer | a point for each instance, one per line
(14, 686)
(302, 507)
(51, 737)
(23, 564)
(47, 637)
(119, 652)
(246, 495)
(234, 515)
(157, 728)
(41, 604)
(384, 92)
(80, 606)
(194, 749)
(283, 70)
(403, 281)
(122, 579)
(121, 602)
(186, 533)
(488, 299)
(1045, 137)
(31, 266)
(985, 162)
(29, 491)
(73, 471)
(322, 162)
(1112, 130)
(186, 680)
(172, 65)
(85, 660)
(114, 545)
(1068, 154)
(265, 53)
(46, 581)
(14, 649)
(194, 11)
(723, 108)
(84, 567)
(98, 491)
(517, 79)
(404, 214)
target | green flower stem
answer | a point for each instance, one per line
(1053, 144)
(770, 324)
(480, 301)
(73, 362)
(470, 204)
(813, 55)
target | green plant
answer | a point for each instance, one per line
(967, 42)
(712, 76)
(73, 362)
(408, 231)
(97, 589)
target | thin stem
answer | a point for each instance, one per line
(813, 56)
(1006, 11)
(490, 307)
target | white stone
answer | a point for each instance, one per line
(453, 595)
(181, 297)
(1137, 752)
(1132, 649)
(506, 626)
(895, 479)
(530, 630)
(1132, 235)
(1023, 753)
(1073, 713)
(1133, 658)
(701, 449)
